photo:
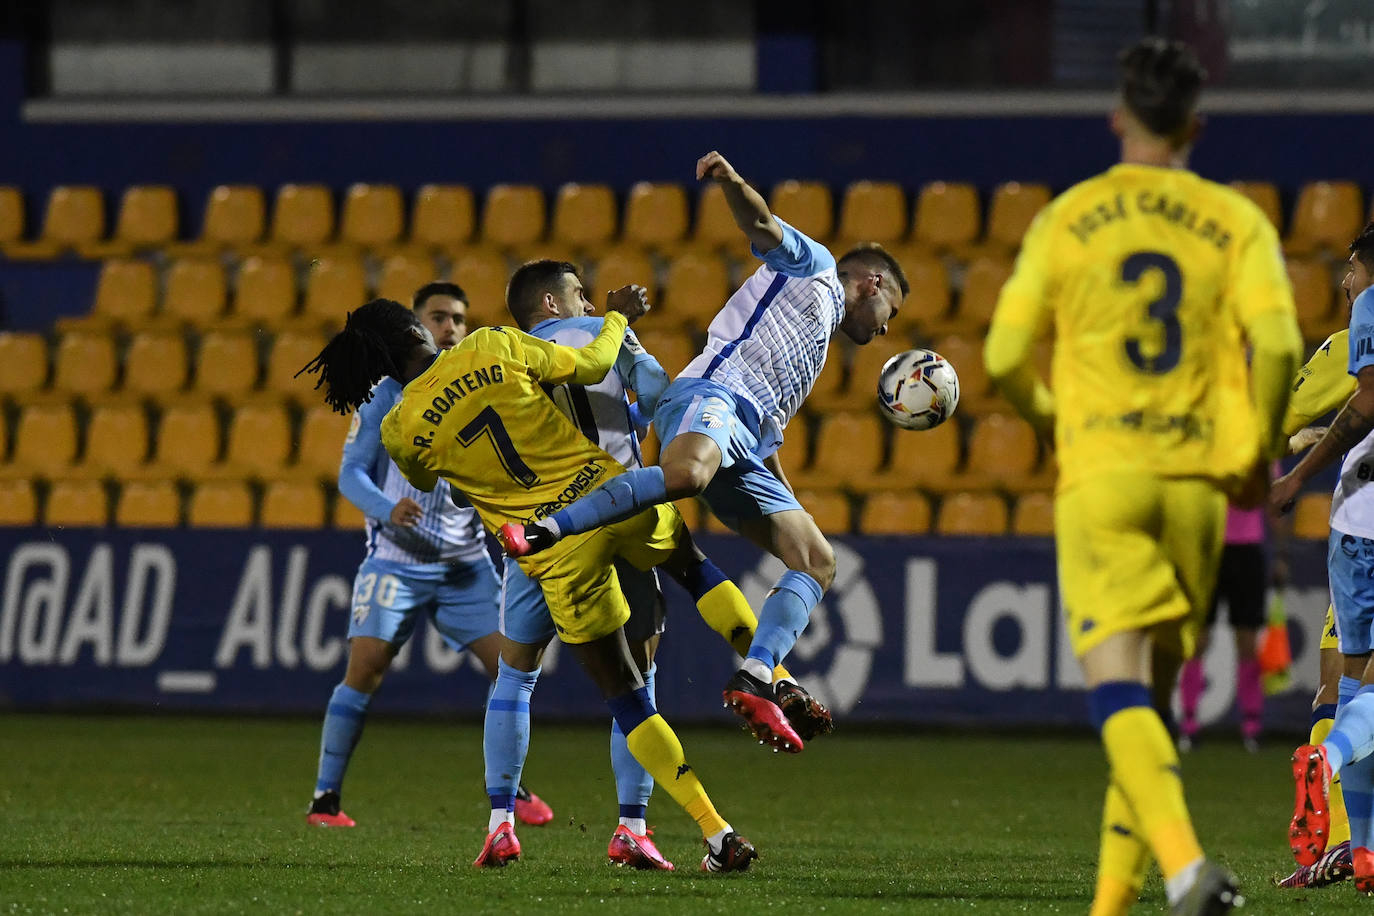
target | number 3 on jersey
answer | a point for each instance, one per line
(1163, 309)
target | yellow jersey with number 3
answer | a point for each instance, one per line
(1322, 385)
(1148, 276)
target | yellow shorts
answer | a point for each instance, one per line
(578, 577)
(1138, 552)
(1329, 638)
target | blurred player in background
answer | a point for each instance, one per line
(426, 555)
(721, 422)
(1344, 753)
(477, 417)
(1149, 275)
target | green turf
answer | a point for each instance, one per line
(143, 814)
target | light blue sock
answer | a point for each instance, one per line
(783, 617)
(1357, 787)
(1352, 735)
(506, 732)
(615, 500)
(343, 726)
(633, 784)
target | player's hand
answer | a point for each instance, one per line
(406, 513)
(1305, 438)
(1251, 490)
(631, 301)
(1283, 493)
(715, 166)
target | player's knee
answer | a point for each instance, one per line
(682, 479)
(818, 562)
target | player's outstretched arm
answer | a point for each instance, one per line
(556, 364)
(1352, 424)
(746, 205)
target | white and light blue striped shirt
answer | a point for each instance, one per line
(768, 343)
(372, 482)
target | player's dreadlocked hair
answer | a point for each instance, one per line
(373, 344)
(1363, 247)
(1160, 83)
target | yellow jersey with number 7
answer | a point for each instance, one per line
(1148, 275)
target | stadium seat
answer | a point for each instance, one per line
(1265, 196)
(691, 512)
(227, 364)
(862, 387)
(1003, 454)
(235, 217)
(795, 452)
(872, 211)
(23, 363)
(321, 444)
(259, 442)
(18, 502)
(971, 514)
(292, 504)
(403, 273)
(77, 504)
(947, 217)
(1033, 515)
(85, 365)
(482, 274)
(116, 441)
(187, 442)
(302, 217)
(336, 284)
(928, 459)
(1313, 296)
(807, 205)
(888, 512)
(264, 293)
(673, 349)
(584, 216)
(1326, 217)
(75, 216)
(220, 504)
(927, 307)
(195, 293)
(373, 215)
(621, 266)
(829, 508)
(125, 297)
(696, 287)
(148, 504)
(1312, 516)
(444, 216)
(983, 281)
(44, 441)
(829, 392)
(346, 516)
(11, 215)
(848, 452)
(1014, 205)
(513, 215)
(965, 354)
(147, 220)
(156, 365)
(655, 215)
(714, 227)
(291, 350)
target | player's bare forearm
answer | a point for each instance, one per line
(1352, 424)
(747, 206)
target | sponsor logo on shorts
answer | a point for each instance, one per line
(711, 420)
(360, 612)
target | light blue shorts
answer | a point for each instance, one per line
(525, 616)
(1350, 569)
(461, 599)
(743, 488)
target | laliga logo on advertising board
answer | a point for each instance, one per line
(850, 645)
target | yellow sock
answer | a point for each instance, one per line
(726, 611)
(1145, 768)
(1340, 820)
(1122, 858)
(656, 747)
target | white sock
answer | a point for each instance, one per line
(637, 825)
(716, 840)
(550, 525)
(1179, 885)
(500, 816)
(320, 793)
(758, 669)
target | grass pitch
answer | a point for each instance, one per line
(203, 815)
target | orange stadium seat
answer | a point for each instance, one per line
(795, 452)
(655, 215)
(714, 229)
(829, 508)
(303, 216)
(187, 442)
(807, 205)
(1313, 294)
(259, 441)
(482, 274)
(148, 504)
(848, 451)
(147, 217)
(1033, 515)
(77, 504)
(335, 286)
(403, 273)
(125, 296)
(927, 307)
(928, 459)
(965, 354)
(11, 214)
(85, 364)
(1327, 215)
(291, 350)
(227, 364)
(264, 293)
(444, 216)
(828, 393)
(895, 512)
(983, 283)
(1003, 453)
(971, 514)
(947, 216)
(868, 365)
(116, 441)
(696, 287)
(156, 365)
(44, 441)
(673, 349)
(321, 444)
(872, 211)
(1265, 196)
(584, 216)
(18, 502)
(513, 215)
(621, 266)
(235, 217)
(373, 215)
(221, 504)
(75, 216)
(292, 504)
(346, 516)
(1014, 205)
(1312, 516)
(691, 512)
(23, 363)
(195, 293)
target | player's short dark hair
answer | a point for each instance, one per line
(1160, 83)
(1363, 247)
(437, 288)
(876, 256)
(374, 343)
(528, 285)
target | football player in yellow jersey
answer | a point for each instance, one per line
(476, 416)
(1149, 275)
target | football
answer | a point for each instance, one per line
(918, 389)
